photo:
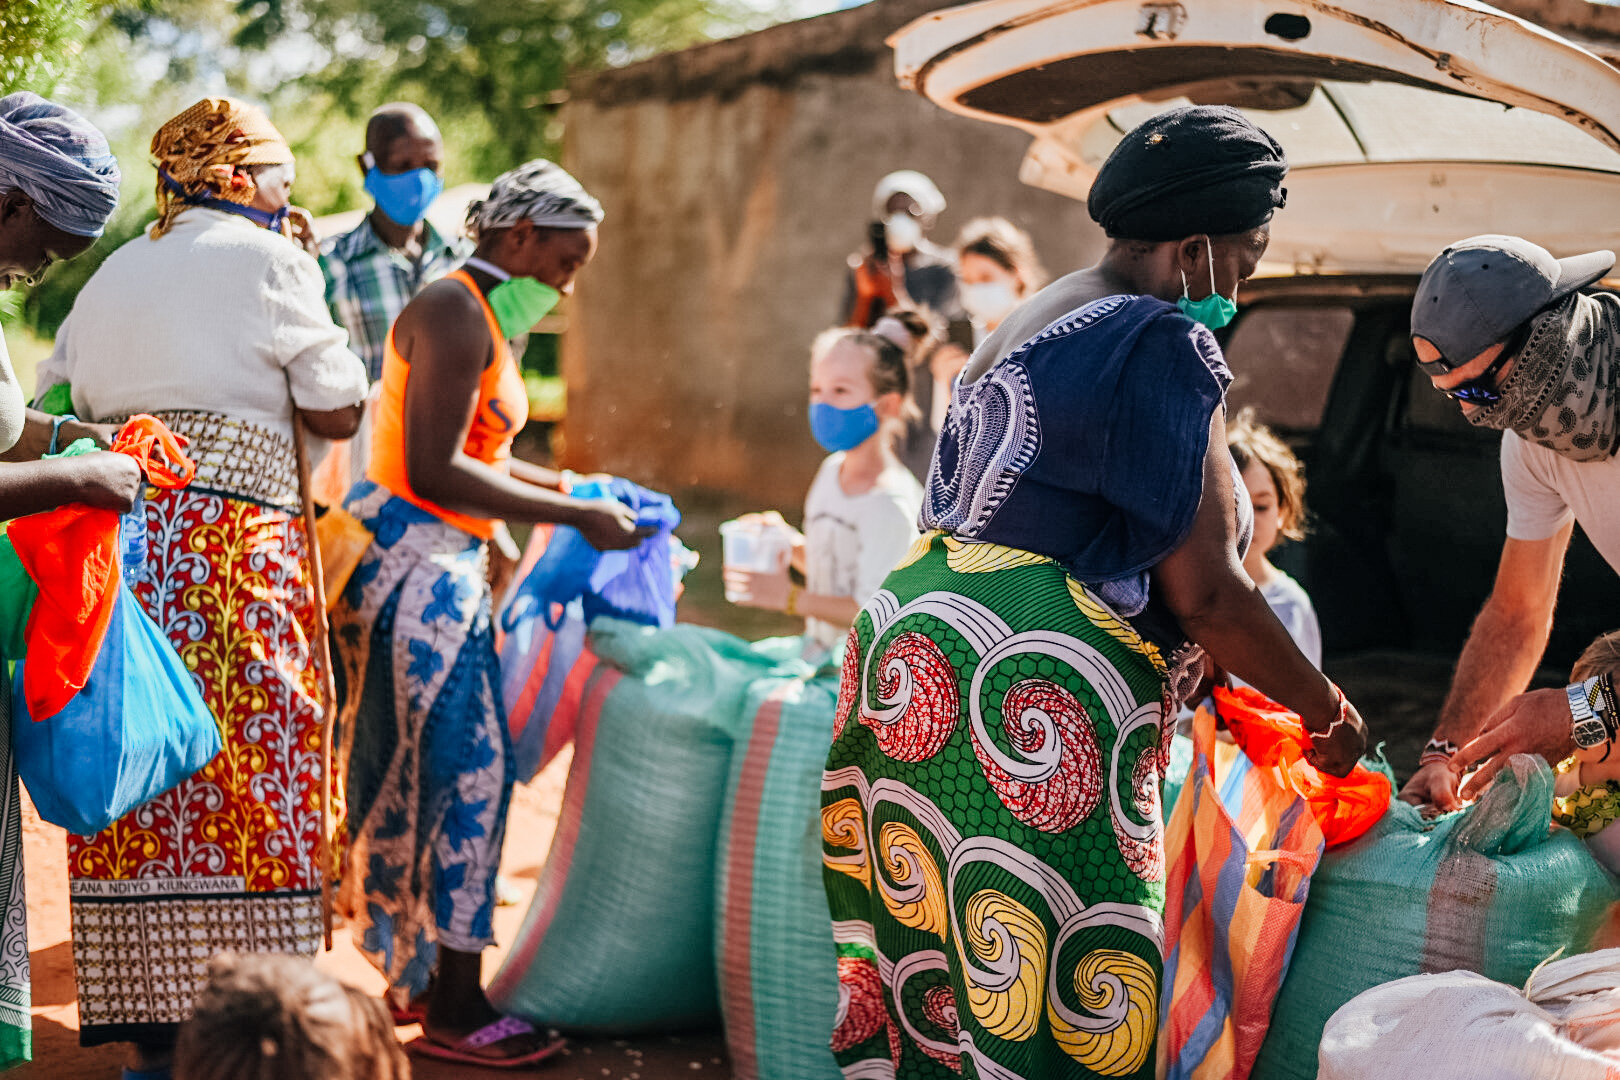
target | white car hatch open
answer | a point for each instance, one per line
(1408, 123)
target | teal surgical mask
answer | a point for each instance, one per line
(518, 302)
(1214, 310)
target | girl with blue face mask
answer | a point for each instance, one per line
(860, 514)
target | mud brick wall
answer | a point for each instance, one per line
(736, 178)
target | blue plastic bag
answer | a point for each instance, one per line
(538, 664)
(137, 728)
(636, 585)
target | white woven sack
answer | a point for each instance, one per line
(1459, 1025)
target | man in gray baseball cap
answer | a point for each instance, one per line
(1502, 327)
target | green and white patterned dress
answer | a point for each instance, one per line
(991, 825)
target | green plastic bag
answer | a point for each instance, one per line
(17, 595)
(1487, 889)
(620, 936)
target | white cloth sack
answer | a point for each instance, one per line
(1564, 1025)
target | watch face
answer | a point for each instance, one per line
(1589, 733)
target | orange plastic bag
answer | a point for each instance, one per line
(1271, 735)
(71, 553)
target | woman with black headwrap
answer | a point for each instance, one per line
(991, 816)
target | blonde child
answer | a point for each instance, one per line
(275, 1017)
(861, 511)
(1276, 484)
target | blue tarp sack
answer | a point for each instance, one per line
(636, 585)
(137, 728)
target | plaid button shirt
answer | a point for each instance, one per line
(369, 283)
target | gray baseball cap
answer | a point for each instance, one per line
(1478, 291)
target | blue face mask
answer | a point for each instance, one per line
(403, 197)
(842, 429)
(1214, 310)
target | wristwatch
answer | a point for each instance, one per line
(1590, 730)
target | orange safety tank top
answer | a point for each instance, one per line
(503, 409)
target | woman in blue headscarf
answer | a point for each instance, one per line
(58, 185)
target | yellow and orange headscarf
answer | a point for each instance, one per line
(206, 151)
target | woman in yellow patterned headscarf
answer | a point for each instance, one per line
(230, 859)
(207, 156)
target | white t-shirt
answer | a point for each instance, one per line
(1545, 490)
(1292, 605)
(11, 402)
(851, 542)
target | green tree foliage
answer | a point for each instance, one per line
(492, 72)
(496, 65)
(38, 39)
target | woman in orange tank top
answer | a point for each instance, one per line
(428, 757)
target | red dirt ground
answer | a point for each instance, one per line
(57, 1055)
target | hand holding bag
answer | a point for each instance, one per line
(107, 716)
(1240, 848)
(137, 728)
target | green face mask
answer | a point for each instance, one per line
(520, 302)
(1214, 310)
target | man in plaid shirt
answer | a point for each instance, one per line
(375, 269)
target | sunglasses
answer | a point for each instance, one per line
(1481, 390)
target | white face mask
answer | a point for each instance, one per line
(989, 301)
(903, 232)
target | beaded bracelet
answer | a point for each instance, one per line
(1438, 752)
(1342, 718)
(56, 430)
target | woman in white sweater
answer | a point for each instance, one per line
(216, 323)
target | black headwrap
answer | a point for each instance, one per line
(1197, 169)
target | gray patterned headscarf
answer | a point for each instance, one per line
(1564, 390)
(538, 191)
(60, 161)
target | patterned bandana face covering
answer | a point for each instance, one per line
(1564, 391)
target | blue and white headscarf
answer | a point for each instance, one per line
(60, 161)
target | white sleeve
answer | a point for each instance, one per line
(309, 346)
(1308, 632)
(12, 412)
(54, 368)
(886, 533)
(1292, 605)
(1535, 508)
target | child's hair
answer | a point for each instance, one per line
(1006, 245)
(1600, 658)
(274, 1017)
(1249, 442)
(916, 327)
(887, 372)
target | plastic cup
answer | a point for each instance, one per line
(748, 545)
